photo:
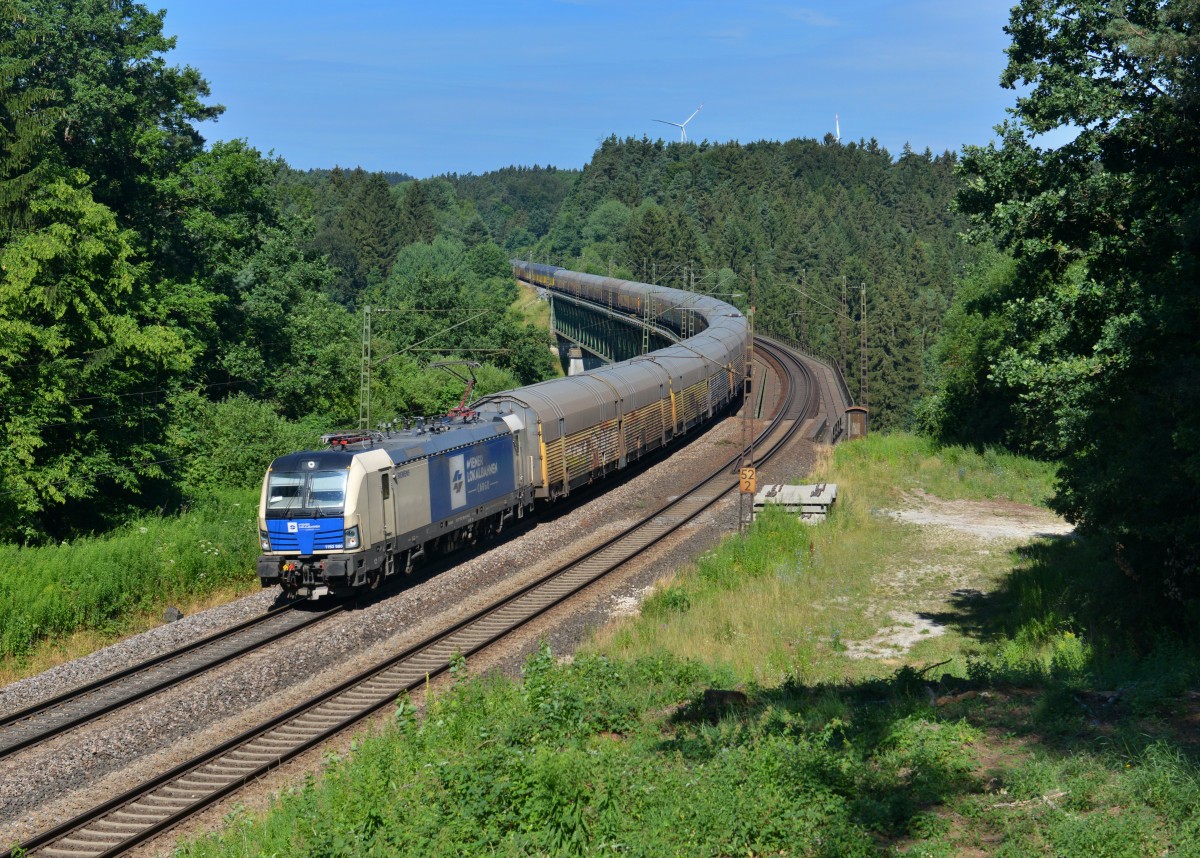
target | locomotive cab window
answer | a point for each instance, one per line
(320, 491)
(283, 490)
(327, 490)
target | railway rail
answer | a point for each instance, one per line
(168, 799)
(74, 708)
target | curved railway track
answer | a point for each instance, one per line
(168, 799)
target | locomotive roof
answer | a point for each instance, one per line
(402, 446)
(411, 444)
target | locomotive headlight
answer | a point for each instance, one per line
(264, 540)
(350, 537)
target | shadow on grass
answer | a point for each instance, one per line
(1040, 590)
(878, 745)
(1082, 654)
(1073, 672)
(906, 754)
(1065, 583)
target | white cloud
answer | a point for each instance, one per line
(811, 17)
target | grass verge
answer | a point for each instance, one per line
(1013, 727)
(807, 603)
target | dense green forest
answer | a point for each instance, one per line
(167, 303)
(518, 204)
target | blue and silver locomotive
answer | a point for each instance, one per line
(352, 515)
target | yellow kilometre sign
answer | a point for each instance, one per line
(748, 479)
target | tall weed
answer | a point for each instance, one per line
(899, 461)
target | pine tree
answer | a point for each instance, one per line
(25, 124)
(418, 220)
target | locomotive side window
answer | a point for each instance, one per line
(283, 490)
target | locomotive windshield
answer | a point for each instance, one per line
(323, 492)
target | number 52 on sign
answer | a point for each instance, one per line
(748, 479)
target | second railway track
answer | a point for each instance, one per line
(168, 799)
(78, 706)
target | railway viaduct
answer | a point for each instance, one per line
(605, 334)
(608, 334)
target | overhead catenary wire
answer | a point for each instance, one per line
(464, 351)
(715, 273)
(809, 297)
(9, 406)
(140, 412)
(447, 329)
(102, 418)
(58, 359)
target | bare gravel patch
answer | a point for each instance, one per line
(953, 532)
(987, 520)
(895, 640)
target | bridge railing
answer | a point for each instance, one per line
(825, 359)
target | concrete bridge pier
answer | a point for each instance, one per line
(575, 361)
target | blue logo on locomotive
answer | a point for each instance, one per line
(458, 486)
(476, 475)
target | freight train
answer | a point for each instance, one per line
(374, 503)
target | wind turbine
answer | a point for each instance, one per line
(837, 125)
(682, 126)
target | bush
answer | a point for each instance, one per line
(670, 600)
(231, 443)
(96, 583)
(581, 760)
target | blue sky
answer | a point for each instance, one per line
(433, 87)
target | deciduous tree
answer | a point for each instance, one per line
(75, 361)
(1105, 233)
